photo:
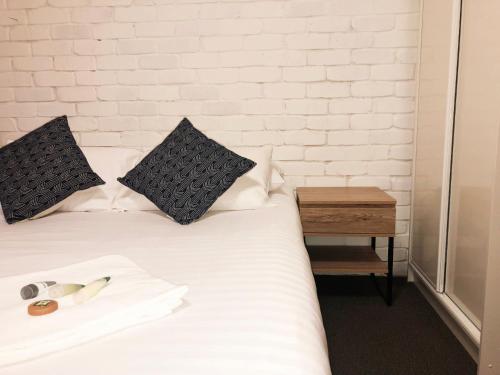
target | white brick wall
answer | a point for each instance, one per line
(330, 83)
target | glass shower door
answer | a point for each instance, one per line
(439, 42)
(477, 119)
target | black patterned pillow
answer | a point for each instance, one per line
(186, 173)
(41, 169)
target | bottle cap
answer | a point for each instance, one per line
(29, 291)
(42, 307)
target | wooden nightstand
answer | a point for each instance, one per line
(349, 211)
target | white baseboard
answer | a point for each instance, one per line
(411, 275)
(463, 329)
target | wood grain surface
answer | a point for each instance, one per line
(345, 259)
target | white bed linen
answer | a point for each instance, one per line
(251, 307)
(132, 297)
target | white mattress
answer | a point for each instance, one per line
(251, 306)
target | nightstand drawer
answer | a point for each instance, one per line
(369, 221)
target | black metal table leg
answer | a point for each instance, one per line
(373, 246)
(390, 260)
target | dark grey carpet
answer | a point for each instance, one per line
(365, 337)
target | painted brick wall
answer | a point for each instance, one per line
(330, 83)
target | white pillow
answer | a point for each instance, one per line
(109, 163)
(250, 191)
(277, 180)
(129, 200)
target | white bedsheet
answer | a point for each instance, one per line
(251, 307)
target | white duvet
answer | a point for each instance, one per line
(251, 307)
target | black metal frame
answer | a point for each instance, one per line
(389, 274)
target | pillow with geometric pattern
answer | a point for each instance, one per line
(41, 169)
(186, 173)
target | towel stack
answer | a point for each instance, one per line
(132, 297)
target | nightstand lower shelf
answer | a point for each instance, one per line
(345, 259)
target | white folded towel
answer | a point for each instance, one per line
(132, 297)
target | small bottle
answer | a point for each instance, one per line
(90, 290)
(61, 290)
(32, 290)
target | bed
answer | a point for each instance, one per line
(251, 307)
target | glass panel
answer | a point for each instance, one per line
(490, 336)
(436, 42)
(477, 121)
